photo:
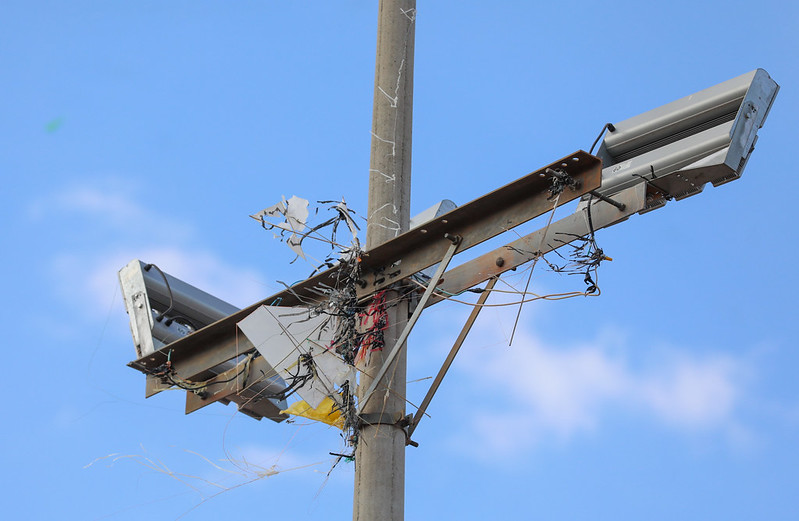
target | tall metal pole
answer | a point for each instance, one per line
(380, 456)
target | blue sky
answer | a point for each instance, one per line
(153, 129)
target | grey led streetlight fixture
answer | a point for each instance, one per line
(677, 148)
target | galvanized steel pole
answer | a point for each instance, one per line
(380, 456)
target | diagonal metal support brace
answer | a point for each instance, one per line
(451, 356)
(456, 241)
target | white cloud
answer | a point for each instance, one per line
(92, 200)
(238, 285)
(549, 392)
(692, 393)
(122, 229)
(109, 201)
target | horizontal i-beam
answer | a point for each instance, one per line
(477, 221)
(411, 252)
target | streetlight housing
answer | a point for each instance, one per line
(677, 148)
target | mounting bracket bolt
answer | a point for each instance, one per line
(455, 239)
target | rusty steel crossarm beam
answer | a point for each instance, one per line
(420, 248)
(520, 251)
(476, 221)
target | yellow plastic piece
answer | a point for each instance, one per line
(325, 413)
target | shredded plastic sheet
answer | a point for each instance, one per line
(296, 344)
(344, 214)
(328, 412)
(293, 214)
(289, 219)
(290, 216)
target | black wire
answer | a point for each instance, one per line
(182, 320)
(297, 380)
(651, 182)
(201, 386)
(171, 300)
(608, 126)
(584, 258)
(592, 287)
(588, 280)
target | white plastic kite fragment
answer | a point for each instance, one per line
(344, 212)
(296, 214)
(291, 216)
(288, 338)
(295, 243)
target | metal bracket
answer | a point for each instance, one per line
(384, 418)
(450, 357)
(380, 418)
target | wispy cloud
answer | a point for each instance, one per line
(108, 204)
(92, 277)
(119, 228)
(691, 392)
(548, 392)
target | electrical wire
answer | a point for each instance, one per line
(171, 300)
(200, 386)
(608, 126)
(535, 260)
(551, 296)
